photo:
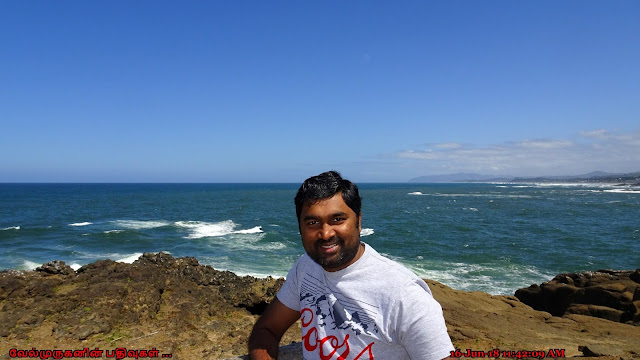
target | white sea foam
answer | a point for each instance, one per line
(201, 229)
(140, 224)
(254, 242)
(130, 258)
(482, 277)
(75, 266)
(29, 265)
(254, 230)
(567, 185)
(470, 209)
(366, 232)
(274, 246)
(415, 193)
(81, 224)
(12, 228)
(623, 191)
(491, 195)
(113, 231)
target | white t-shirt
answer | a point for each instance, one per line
(373, 309)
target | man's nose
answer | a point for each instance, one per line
(327, 232)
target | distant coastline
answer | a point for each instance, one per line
(596, 177)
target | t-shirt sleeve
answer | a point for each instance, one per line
(420, 325)
(289, 295)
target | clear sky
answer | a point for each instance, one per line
(276, 91)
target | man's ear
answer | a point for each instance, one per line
(360, 221)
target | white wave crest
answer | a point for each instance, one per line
(623, 191)
(140, 224)
(415, 193)
(480, 277)
(366, 232)
(130, 258)
(29, 265)
(11, 228)
(255, 230)
(113, 231)
(81, 224)
(75, 266)
(201, 229)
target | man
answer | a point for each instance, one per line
(353, 303)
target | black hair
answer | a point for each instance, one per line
(324, 186)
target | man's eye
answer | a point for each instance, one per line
(312, 222)
(338, 219)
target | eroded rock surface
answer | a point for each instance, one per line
(608, 294)
(196, 312)
(175, 305)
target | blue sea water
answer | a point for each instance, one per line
(488, 237)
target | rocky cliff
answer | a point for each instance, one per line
(178, 307)
(608, 294)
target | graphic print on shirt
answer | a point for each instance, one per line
(337, 316)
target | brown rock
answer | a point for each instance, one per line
(596, 310)
(605, 293)
(56, 267)
(156, 300)
(599, 350)
(196, 312)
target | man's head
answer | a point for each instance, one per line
(324, 186)
(328, 210)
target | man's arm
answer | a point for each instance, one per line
(268, 330)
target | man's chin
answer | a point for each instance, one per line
(329, 262)
(336, 260)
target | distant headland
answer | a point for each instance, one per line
(596, 177)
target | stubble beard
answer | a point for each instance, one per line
(344, 256)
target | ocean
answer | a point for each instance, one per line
(494, 238)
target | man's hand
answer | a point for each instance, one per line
(268, 330)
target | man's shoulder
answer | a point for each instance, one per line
(389, 271)
(382, 263)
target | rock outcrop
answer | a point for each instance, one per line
(174, 305)
(191, 311)
(607, 294)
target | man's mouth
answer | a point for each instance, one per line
(328, 246)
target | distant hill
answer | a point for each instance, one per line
(632, 179)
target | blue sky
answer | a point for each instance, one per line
(276, 91)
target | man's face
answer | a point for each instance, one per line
(331, 233)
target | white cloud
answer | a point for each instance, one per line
(628, 139)
(598, 134)
(596, 150)
(450, 145)
(545, 144)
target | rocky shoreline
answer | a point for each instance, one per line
(177, 306)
